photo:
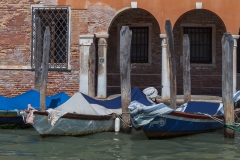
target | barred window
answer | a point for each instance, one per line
(139, 45)
(200, 44)
(57, 18)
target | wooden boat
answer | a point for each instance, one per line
(72, 124)
(81, 115)
(10, 108)
(10, 117)
(194, 117)
(177, 124)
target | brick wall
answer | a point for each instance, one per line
(141, 76)
(15, 45)
(204, 79)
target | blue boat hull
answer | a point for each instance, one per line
(178, 124)
(12, 120)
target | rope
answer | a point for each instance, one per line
(235, 126)
(119, 116)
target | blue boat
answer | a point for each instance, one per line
(10, 107)
(160, 122)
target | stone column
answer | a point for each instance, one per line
(235, 38)
(102, 66)
(85, 42)
(165, 70)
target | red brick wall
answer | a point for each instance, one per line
(15, 46)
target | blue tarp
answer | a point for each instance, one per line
(136, 95)
(142, 114)
(210, 108)
(32, 97)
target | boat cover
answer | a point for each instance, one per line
(83, 104)
(32, 97)
(142, 115)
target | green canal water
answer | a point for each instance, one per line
(27, 144)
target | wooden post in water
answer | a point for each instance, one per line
(172, 63)
(125, 70)
(46, 49)
(186, 69)
(38, 55)
(227, 83)
(91, 70)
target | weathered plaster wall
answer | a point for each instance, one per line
(172, 9)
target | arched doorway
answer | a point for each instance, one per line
(145, 50)
(205, 30)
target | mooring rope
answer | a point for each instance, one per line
(235, 126)
(119, 116)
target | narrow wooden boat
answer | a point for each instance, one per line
(81, 115)
(10, 108)
(177, 124)
(72, 124)
(160, 121)
(10, 117)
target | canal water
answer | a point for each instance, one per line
(26, 144)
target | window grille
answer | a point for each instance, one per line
(57, 20)
(200, 44)
(139, 45)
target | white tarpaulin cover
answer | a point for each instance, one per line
(82, 104)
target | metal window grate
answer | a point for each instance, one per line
(57, 19)
(200, 44)
(139, 46)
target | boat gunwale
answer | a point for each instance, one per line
(193, 115)
(81, 116)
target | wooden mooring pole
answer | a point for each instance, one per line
(91, 70)
(125, 73)
(38, 55)
(172, 63)
(46, 49)
(227, 83)
(186, 69)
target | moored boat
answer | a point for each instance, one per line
(160, 121)
(81, 115)
(10, 108)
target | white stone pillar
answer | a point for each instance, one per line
(102, 66)
(85, 42)
(165, 70)
(235, 38)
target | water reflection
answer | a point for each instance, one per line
(27, 144)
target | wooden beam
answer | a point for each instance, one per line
(45, 63)
(38, 55)
(172, 63)
(186, 69)
(227, 83)
(125, 73)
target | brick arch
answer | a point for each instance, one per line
(198, 16)
(141, 76)
(124, 10)
(206, 79)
